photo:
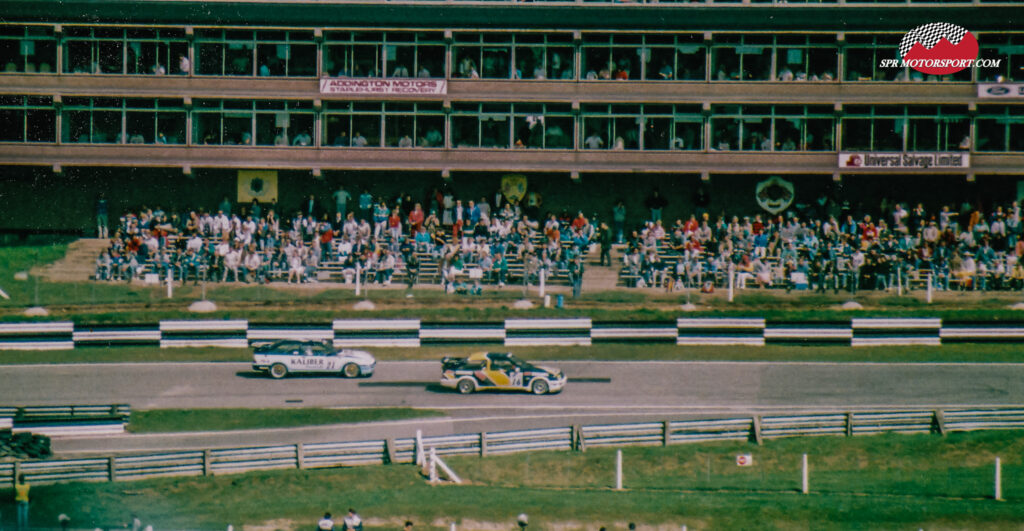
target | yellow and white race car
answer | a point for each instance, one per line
(499, 370)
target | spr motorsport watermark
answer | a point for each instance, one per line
(939, 48)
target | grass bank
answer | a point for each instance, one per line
(882, 482)
(181, 420)
(950, 353)
(120, 303)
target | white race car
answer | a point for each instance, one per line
(283, 357)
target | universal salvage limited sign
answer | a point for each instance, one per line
(383, 86)
(916, 160)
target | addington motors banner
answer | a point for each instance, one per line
(347, 85)
(916, 160)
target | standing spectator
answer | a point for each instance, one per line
(225, 206)
(576, 276)
(656, 203)
(309, 208)
(341, 198)
(606, 244)
(184, 65)
(619, 219)
(21, 489)
(365, 205)
(102, 217)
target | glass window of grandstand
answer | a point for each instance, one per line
(999, 128)
(246, 123)
(778, 57)
(384, 54)
(279, 53)
(865, 53)
(906, 128)
(123, 50)
(123, 121)
(508, 125)
(27, 119)
(389, 124)
(1008, 48)
(647, 126)
(27, 49)
(772, 128)
(513, 56)
(660, 57)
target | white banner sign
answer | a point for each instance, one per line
(920, 160)
(348, 85)
(1001, 90)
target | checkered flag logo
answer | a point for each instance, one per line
(930, 34)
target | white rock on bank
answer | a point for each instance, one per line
(202, 307)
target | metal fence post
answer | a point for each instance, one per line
(999, 481)
(300, 456)
(849, 424)
(804, 487)
(420, 457)
(939, 422)
(579, 442)
(111, 469)
(483, 444)
(618, 470)
(666, 432)
(389, 449)
(207, 468)
(755, 427)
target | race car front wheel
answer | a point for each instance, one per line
(351, 370)
(278, 371)
(466, 386)
(539, 387)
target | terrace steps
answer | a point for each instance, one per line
(77, 265)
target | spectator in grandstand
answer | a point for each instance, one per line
(656, 203)
(358, 140)
(184, 65)
(102, 216)
(302, 139)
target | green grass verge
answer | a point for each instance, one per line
(881, 482)
(179, 420)
(951, 353)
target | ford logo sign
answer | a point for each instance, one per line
(998, 91)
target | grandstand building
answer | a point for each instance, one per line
(175, 104)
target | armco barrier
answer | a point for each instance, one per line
(513, 332)
(323, 455)
(56, 421)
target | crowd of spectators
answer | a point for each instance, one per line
(967, 249)
(471, 242)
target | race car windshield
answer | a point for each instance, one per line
(521, 364)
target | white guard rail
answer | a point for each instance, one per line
(579, 438)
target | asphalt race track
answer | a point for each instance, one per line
(602, 392)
